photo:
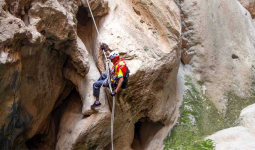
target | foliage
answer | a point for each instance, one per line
(199, 118)
(206, 145)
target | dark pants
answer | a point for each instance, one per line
(100, 82)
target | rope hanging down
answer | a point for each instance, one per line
(108, 78)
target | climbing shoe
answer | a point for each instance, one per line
(96, 103)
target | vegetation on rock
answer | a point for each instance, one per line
(200, 118)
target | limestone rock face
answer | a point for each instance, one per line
(42, 59)
(147, 35)
(99, 7)
(220, 47)
(84, 86)
(36, 39)
(74, 125)
(249, 5)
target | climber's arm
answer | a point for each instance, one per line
(105, 49)
(107, 52)
(119, 84)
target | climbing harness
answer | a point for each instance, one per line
(109, 79)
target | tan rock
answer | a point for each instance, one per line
(147, 35)
(151, 50)
(220, 34)
(84, 86)
(99, 7)
(35, 39)
(88, 132)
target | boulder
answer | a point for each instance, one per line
(238, 138)
(247, 118)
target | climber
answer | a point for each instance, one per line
(119, 75)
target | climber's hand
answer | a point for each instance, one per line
(113, 93)
(103, 47)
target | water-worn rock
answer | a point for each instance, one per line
(84, 86)
(74, 125)
(219, 35)
(36, 38)
(148, 40)
(247, 118)
(39, 43)
(238, 138)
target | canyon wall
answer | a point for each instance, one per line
(218, 42)
(50, 57)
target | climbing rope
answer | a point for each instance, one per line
(108, 75)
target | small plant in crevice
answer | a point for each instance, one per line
(145, 48)
(206, 145)
(198, 117)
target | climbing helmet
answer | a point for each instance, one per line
(114, 54)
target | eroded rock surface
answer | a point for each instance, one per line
(36, 39)
(154, 65)
(42, 59)
(220, 47)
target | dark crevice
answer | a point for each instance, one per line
(145, 130)
(24, 16)
(234, 56)
(85, 28)
(48, 139)
(82, 16)
(19, 118)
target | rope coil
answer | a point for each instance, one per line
(108, 79)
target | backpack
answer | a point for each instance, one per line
(125, 81)
(125, 72)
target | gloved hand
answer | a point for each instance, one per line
(103, 47)
(113, 93)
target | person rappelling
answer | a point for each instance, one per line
(118, 75)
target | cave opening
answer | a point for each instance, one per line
(145, 131)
